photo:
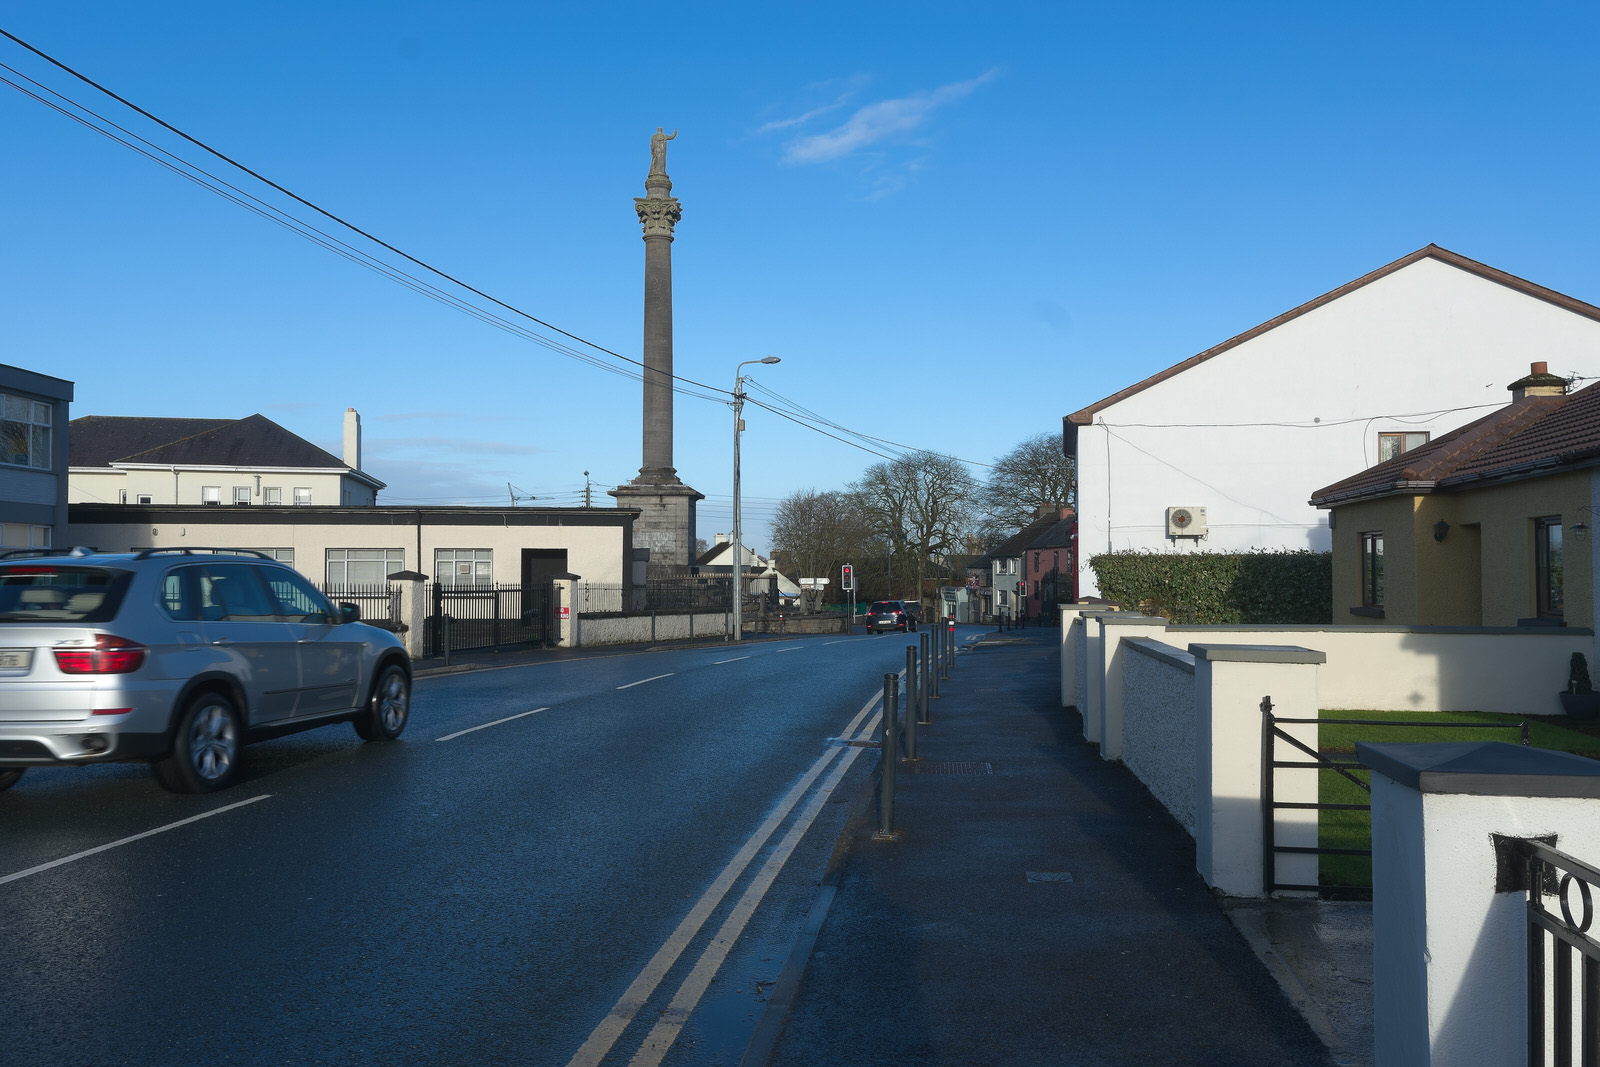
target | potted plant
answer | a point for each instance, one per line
(1580, 700)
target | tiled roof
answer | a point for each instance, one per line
(1059, 535)
(1085, 416)
(1532, 436)
(256, 441)
(1017, 542)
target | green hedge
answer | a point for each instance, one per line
(1251, 588)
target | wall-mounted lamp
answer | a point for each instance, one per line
(1580, 530)
(1440, 528)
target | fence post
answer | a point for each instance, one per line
(1269, 842)
(494, 627)
(444, 626)
(911, 702)
(890, 741)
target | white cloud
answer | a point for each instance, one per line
(875, 122)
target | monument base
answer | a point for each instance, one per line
(666, 520)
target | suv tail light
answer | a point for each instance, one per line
(110, 655)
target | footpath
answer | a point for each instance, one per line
(1039, 908)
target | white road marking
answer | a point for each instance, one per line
(641, 681)
(670, 1024)
(644, 986)
(128, 840)
(841, 641)
(485, 726)
(735, 659)
(791, 648)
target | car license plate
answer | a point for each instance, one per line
(15, 659)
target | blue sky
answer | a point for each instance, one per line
(953, 223)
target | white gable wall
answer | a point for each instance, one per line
(1425, 338)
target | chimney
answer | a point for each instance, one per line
(352, 439)
(1539, 382)
(723, 538)
(1066, 511)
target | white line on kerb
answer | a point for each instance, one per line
(485, 726)
(736, 659)
(641, 681)
(633, 999)
(128, 840)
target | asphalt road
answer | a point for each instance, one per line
(583, 861)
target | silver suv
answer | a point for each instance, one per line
(179, 657)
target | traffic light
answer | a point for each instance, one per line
(847, 578)
(1022, 588)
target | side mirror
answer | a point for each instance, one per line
(349, 613)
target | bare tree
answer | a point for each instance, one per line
(921, 508)
(1033, 475)
(814, 534)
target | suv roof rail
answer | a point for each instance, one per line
(146, 553)
(78, 552)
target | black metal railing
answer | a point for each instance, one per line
(1270, 805)
(1563, 958)
(379, 602)
(487, 616)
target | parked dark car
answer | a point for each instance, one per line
(890, 615)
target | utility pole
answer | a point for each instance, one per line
(588, 495)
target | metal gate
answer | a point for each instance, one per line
(488, 616)
(1563, 959)
(1316, 762)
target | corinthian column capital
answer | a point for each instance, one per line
(658, 215)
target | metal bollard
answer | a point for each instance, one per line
(947, 638)
(937, 644)
(911, 702)
(890, 742)
(925, 680)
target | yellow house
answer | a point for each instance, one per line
(1489, 525)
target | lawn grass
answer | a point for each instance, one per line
(1353, 829)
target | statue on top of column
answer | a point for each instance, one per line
(658, 150)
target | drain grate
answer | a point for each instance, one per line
(948, 767)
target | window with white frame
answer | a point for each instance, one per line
(211, 494)
(241, 494)
(364, 566)
(24, 432)
(146, 498)
(463, 566)
(122, 496)
(23, 535)
(272, 494)
(282, 555)
(302, 494)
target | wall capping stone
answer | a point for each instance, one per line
(1257, 654)
(1175, 657)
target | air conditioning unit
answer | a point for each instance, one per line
(1186, 522)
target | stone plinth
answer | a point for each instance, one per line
(665, 524)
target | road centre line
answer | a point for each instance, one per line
(736, 659)
(633, 999)
(86, 853)
(485, 726)
(671, 1022)
(641, 681)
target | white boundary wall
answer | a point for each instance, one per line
(643, 629)
(1158, 724)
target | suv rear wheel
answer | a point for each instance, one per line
(9, 776)
(205, 749)
(388, 709)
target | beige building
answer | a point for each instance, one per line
(213, 462)
(1489, 525)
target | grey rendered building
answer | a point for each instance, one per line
(33, 458)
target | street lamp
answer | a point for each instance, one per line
(738, 533)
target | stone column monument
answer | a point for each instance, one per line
(666, 521)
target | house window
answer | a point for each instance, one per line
(282, 555)
(23, 535)
(463, 566)
(1391, 445)
(1036, 561)
(122, 496)
(364, 566)
(145, 498)
(241, 494)
(1548, 565)
(24, 432)
(211, 494)
(302, 495)
(272, 494)
(1372, 569)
